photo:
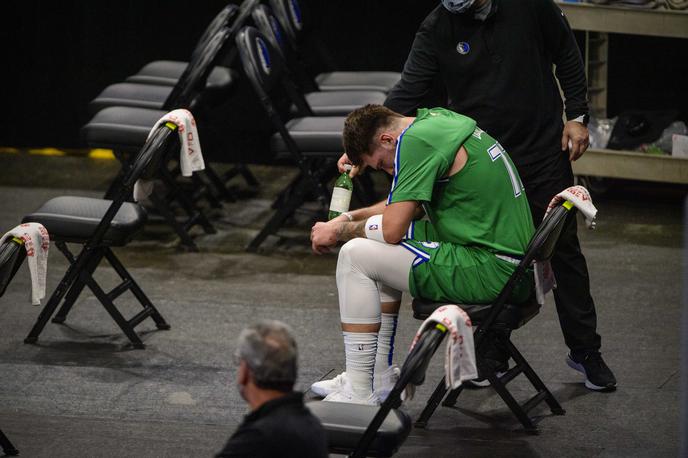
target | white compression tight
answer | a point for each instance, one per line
(370, 273)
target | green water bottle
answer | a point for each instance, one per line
(341, 194)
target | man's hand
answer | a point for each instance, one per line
(355, 170)
(324, 236)
(575, 138)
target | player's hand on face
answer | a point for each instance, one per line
(575, 138)
(323, 236)
(343, 160)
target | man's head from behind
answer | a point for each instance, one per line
(268, 358)
(370, 135)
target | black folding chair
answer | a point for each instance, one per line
(291, 17)
(7, 447)
(125, 129)
(363, 430)
(313, 143)
(12, 254)
(98, 225)
(496, 321)
(320, 103)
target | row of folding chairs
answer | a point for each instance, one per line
(99, 225)
(306, 111)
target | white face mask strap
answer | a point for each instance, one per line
(373, 228)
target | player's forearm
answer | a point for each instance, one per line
(363, 214)
(352, 230)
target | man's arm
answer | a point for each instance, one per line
(419, 72)
(561, 44)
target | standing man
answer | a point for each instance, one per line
(495, 58)
(478, 228)
(279, 424)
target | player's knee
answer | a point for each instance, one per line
(350, 253)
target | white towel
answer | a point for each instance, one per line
(37, 243)
(459, 360)
(580, 198)
(190, 155)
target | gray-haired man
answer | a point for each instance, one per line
(278, 424)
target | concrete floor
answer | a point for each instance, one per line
(82, 391)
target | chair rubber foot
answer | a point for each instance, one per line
(58, 320)
(164, 327)
(138, 346)
(558, 411)
(420, 424)
(11, 452)
(30, 340)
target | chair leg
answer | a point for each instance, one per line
(450, 400)
(535, 380)
(431, 405)
(294, 200)
(77, 286)
(196, 215)
(160, 322)
(68, 279)
(7, 447)
(512, 403)
(171, 219)
(114, 313)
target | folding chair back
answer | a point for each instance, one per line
(12, 254)
(363, 430)
(223, 19)
(98, 224)
(268, 24)
(504, 316)
(195, 76)
(288, 13)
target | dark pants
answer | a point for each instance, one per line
(574, 303)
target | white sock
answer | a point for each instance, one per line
(360, 348)
(385, 342)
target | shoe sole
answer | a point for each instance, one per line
(484, 383)
(588, 384)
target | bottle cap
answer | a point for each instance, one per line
(348, 167)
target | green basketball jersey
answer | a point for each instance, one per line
(483, 207)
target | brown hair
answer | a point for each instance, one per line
(360, 128)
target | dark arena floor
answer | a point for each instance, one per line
(81, 391)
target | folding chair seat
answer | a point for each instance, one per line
(288, 12)
(496, 321)
(131, 94)
(318, 103)
(75, 219)
(98, 225)
(363, 430)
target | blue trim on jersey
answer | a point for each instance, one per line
(411, 230)
(396, 165)
(421, 256)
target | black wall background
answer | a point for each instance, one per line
(57, 56)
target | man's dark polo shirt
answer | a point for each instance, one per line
(283, 427)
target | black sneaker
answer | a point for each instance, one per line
(500, 367)
(598, 376)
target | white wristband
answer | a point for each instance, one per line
(348, 215)
(373, 228)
